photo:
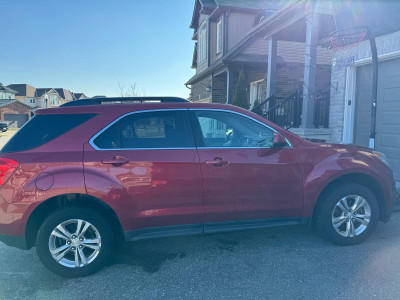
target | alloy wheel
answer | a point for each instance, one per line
(351, 216)
(75, 243)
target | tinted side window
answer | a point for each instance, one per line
(160, 129)
(229, 130)
(42, 129)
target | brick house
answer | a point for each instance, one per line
(267, 40)
(282, 51)
(14, 112)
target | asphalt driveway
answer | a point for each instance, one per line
(275, 263)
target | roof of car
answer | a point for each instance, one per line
(130, 107)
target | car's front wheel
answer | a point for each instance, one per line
(349, 214)
(74, 242)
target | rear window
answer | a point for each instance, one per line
(41, 129)
(148, 130)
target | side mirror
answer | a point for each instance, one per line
(279, 141)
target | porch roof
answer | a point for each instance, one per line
(287, 17)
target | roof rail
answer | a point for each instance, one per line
(111, 100)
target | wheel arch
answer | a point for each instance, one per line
(363, 179)
(40, 213)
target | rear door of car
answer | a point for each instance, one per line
(145, 165)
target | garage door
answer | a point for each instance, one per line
(388, 110)
(16, 120)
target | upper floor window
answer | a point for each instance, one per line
(149, 130)
(202, 49)
(219, 36)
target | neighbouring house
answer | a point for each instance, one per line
(25, 93)
(14, 112)
(43, 97)
(79, 96)
(65, 95)
(47, 97)
(275, 43)
(6, 92)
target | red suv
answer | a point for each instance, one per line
(78, 180)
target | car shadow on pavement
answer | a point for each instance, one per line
(151, 255)
(249, 262)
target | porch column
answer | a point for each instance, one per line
(310, 68)
(229, 85)
(271, 74)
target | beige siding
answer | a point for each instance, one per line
(257, 47)
(295, 52)
(238, 26)
(291, 52)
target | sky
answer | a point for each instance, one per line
(92, 46)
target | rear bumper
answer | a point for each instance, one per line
(14, 241)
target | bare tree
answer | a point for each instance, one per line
(127, 91)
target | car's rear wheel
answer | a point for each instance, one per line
(74, 242)
(349, 214)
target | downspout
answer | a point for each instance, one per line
(375, 68)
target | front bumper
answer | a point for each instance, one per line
(14, 241)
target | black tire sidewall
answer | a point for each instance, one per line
(333, 197)
(65, 214)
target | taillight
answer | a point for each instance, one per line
(7, 168)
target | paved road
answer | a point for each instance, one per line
(275, 263)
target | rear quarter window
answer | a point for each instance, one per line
(41, 129)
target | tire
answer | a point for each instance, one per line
(92, 255)
(350, 228)
(4, 130)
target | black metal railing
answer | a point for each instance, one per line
(286, 112)
(321, 109)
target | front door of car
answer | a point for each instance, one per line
(244, 176)
(145, 166)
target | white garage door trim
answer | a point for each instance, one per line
(350, 94)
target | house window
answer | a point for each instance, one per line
(219, 36)
(32, 101)
(202, 43)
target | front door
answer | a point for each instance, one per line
(146, 167)
(244, 178)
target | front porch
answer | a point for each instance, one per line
(288, 74)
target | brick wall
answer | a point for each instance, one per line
(199, 89)
(219, 88)
(290, 78)
(14, 108)
(337, 104)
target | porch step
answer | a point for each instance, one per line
(323, 134)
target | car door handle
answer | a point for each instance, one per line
(217, 162)
(116, 161)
